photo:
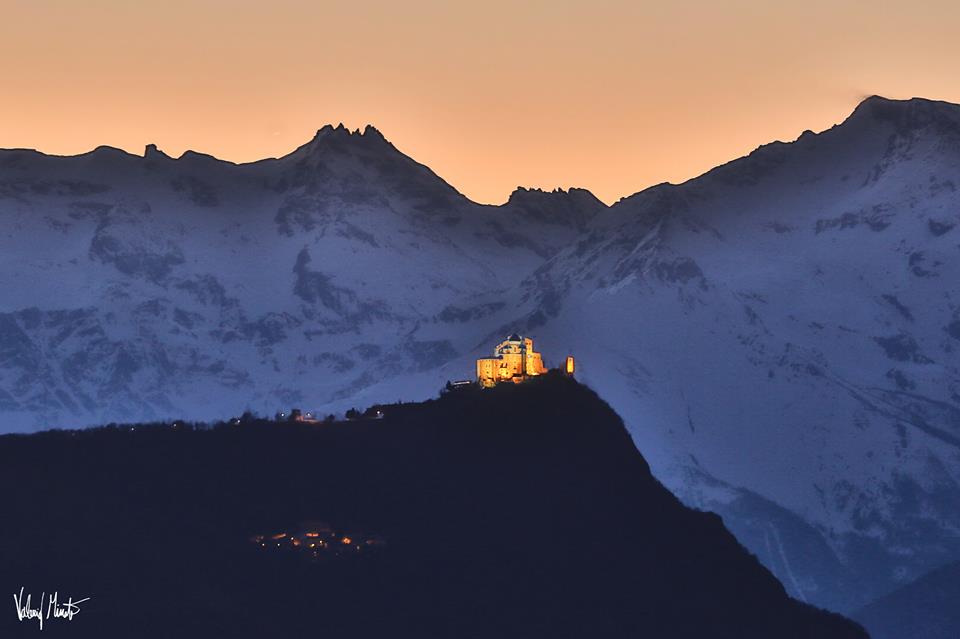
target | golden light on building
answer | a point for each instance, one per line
(515, 360)
(568, 367)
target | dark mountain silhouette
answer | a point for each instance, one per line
(525, 511)
(928, 608)
(574, 207)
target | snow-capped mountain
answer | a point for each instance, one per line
(780, 334)
(142, 287)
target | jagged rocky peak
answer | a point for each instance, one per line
(372, 132)
(364, 162)
(338, 137)
(530, 194)
(367, 145)
(152, 152)
(187, 160)
(559, 206)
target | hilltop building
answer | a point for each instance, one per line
(514, 361)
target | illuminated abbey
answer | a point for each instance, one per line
(514, 361)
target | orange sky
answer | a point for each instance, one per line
(609, 95)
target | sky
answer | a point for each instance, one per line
(613, 96)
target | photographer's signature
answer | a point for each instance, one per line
(55, 608)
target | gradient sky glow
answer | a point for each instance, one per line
(613, 96)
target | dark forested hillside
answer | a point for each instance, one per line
(516, 512)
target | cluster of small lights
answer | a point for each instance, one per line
(319, 543)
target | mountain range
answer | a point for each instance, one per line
(780, 334)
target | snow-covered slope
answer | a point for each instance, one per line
(780, 334)
(150, 287)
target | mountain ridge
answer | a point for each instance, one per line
(794, 300)
(905, 109)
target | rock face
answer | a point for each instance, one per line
(780, 334)
(521, 511)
